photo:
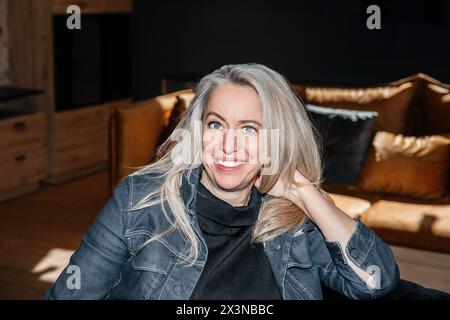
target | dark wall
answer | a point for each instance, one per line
(314, 41)
(92, 65)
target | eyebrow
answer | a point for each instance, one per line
(212, 113)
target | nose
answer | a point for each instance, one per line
(229, 141)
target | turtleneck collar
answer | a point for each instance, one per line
(190, 184)
(213, 208)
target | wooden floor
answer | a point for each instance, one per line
(36, 225)
(39, 232)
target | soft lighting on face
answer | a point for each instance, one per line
(51, 266)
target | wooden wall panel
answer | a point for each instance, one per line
(30, 37)
(30, 47)
(93, 6)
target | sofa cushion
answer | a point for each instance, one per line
(346, 136)
(186, 98)
(166, 103)
(353, 206)
(414, 166)
(137, 132)
(392, 102)
(182, 103)
(436, 108)
(424, 226)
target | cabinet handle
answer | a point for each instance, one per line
(20, 158)
(20, 126)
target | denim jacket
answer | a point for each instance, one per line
(108, 264)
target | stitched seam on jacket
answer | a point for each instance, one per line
(170, 274)
(299, 285)
(102, 252)
(130, 193)
(365, 251)
(129, 234)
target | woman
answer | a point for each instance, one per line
(232, 217)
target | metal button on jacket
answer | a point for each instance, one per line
(178, 289)
(354, 253)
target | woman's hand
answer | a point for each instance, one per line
(291, 193)
(334, 223)
(281, 187)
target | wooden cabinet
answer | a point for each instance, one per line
(46, 144)
(23, 154)
(80, 141)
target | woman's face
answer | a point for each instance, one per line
(231, 125)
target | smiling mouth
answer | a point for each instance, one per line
(229, 164)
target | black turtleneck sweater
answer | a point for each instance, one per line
(235, 268)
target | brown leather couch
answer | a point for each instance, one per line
(402, 191)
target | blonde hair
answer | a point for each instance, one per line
(299, 148)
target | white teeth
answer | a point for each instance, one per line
(229, 164)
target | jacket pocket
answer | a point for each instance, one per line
(299, 253)
(300, 281)
(149, 265)
(154, 256)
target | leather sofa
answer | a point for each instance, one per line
(402, 189)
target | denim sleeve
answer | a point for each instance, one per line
(94, 267)
(370, 254)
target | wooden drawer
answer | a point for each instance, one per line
(91, 154)
(22, 129)
(22, 165)
(81, 138)
(74, 129)
(85, 117)
(70, 124)
(81, 141)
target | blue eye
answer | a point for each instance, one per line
(249, 130)
(212, 123)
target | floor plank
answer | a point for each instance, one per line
(427, 268)
(32, 226)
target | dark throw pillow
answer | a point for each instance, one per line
(346, 136)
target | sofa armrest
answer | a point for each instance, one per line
(134, 137)
(135, 134)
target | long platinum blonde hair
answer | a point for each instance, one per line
(299, 149)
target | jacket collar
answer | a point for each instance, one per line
(189, 183)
